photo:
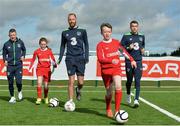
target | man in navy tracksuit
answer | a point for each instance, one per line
(13, 55)
(77, 54)
(134, 42)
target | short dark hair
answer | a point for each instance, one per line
(12, 30)
(105, 25)
(134, 22)
(72, 14)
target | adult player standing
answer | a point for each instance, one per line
(134, 42)
(14, 53)
(77, 54)
(108, 56)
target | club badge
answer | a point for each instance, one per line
(140, 39)
(18, 45)
(78, 33)
(67, 35)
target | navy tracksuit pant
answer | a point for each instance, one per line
(14, 71)
(137, 74)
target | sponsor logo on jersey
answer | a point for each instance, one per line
(113, 54)
(73, 41)
(44, 60)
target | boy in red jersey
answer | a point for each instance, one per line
(108, 56)
(43, 72)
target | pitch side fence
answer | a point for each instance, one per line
(154, 69)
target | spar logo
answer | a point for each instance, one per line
(153, 68)
(166, 68)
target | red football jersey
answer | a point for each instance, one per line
(45, 58)
(107, 51)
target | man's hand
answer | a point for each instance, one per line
(6, 63)
(133, 64)
(142, 51)
(55, 65)
(115, 61)
(58, 62)
(22, 58)
(131, 46)
(86, 61)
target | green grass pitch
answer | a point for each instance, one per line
(91, 109)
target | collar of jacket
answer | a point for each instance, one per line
(75, 27)
(13, 41)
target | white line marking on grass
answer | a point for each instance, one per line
(177, 118)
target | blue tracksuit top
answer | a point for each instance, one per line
(75, 39)
(139, 42)
(13, 51)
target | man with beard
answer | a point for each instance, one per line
(77, 54)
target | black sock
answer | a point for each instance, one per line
(80, 86)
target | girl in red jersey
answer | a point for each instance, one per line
(43, 72)
(108, 57)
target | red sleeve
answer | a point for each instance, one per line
(33, 59)
(100, 55)
(125, 53)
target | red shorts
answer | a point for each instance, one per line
(45, 73)
(107, 75)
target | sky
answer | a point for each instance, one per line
(159, 20)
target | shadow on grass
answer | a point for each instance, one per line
(89, 111)
(99, 100)
(5, 98)
(123, 104)
(116, 123)
(61, 103)
(30, 99)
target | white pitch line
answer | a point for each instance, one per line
(175, 117)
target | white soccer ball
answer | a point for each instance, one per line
(69, 106)
(53, 102)
(121, 116)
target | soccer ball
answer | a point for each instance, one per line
(69, 106)
(121, 116)
(53, 102)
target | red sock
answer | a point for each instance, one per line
(39, 92)
(118, 98)
(46, 92)
(108, 102)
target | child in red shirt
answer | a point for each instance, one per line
(108, 56)
(43, 71)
